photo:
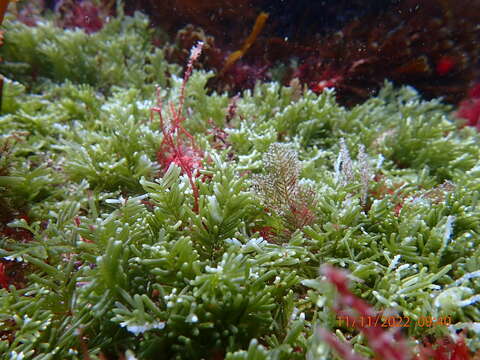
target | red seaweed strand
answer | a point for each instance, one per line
(178, 145)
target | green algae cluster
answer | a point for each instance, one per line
(119, 263)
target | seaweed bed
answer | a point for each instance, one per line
(146, 215)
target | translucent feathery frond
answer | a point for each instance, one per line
(280, 189)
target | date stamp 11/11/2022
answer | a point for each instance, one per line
(392, 321)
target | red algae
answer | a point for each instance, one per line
(178, 145)
(385, 343)
(469, 109)
(85, 15)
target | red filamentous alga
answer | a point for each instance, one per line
(386, 344)
(3, 277)
(469, 109)
(178, 145)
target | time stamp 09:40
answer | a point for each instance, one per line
(392, 321)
